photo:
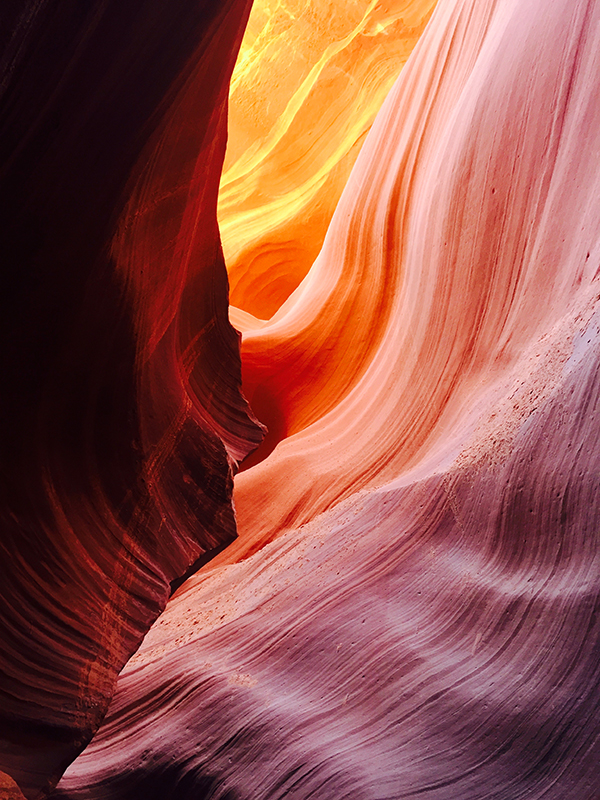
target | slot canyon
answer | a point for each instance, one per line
(300, 405)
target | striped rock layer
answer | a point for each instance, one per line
(122, 420)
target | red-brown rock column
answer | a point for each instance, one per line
(117, 441)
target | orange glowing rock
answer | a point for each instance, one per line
(428, 285)
(308, 83)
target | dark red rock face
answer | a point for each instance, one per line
(117, 446)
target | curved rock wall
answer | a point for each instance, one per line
(419, 617)
(117, 459)
(306, 88)
(472, 199)
(438, 640)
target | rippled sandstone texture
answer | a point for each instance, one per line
(121, 415)
(461, 237)
(435, 632)
(309, 81)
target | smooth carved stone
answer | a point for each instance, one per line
(425, 622)
(466, 232)
(412, 609)
(433, 640)
(307, 86)
(122, 420)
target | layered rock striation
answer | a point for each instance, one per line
(307, 86)
(437, 640)
(122, 420)
(473, 198)
(414, 611)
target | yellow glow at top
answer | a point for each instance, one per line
(308, 83)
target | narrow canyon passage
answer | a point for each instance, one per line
(400, 590)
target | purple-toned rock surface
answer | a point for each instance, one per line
(436, 640)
